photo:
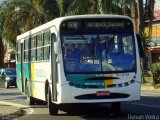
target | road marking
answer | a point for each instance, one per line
(24, 107)
(146, 105)
(12, 104)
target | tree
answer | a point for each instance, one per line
(1, 42)
(79, 7)
(18, 16)
(47, 8)
(149, 7)
(1, 53)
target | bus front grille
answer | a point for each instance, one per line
(94, 96)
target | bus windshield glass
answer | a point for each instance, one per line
(98, 51)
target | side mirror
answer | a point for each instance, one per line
(140, 46)
(56, 47)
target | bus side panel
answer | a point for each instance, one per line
(18, 75)
(40, 73)
(27, 73)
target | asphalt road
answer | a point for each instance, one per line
(148, 108)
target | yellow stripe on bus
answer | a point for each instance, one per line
(32, 71)
(108, 81)
(32, 79)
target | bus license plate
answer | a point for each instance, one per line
(103, 93)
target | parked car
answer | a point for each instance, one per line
(8, 75)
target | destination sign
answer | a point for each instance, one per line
(116, 24)
(96, 24)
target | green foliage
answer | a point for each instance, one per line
(155, 69)
(145, 40)
(79, 7)
(18, 16)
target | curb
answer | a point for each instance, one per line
(149, 88)
(8, 115)
(17, 114)
(21, 111)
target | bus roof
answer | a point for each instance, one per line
(56, 22)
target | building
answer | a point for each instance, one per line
(9, 55)
(153, 53)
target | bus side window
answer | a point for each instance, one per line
(46, 45)
(39, 54)
(39, 47)
(46, 52)
(46, 37)
(18, 51)
(33, 54)
(25, 56)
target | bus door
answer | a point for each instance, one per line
(22, 72)
(54, 73)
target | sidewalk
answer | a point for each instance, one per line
(149, 87)
(7, 111)
(144, 87)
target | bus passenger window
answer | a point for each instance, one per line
(46, 37)
(39, 54)
(33, 55)
(33, 42)
(39, 40)
(26, 56)
(46, 53)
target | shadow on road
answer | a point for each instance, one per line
(90, 111)
(11, 93)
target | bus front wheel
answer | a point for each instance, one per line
(53, 108)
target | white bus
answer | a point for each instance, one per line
(80, 59)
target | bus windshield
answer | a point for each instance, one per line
(98, 52)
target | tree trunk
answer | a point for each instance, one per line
(140, 31)
(1, 53)
(140, 16)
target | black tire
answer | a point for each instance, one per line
(116, 106)
(31, 100)
(53, 108)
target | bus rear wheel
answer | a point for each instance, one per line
(116, 106)
(53, 108)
